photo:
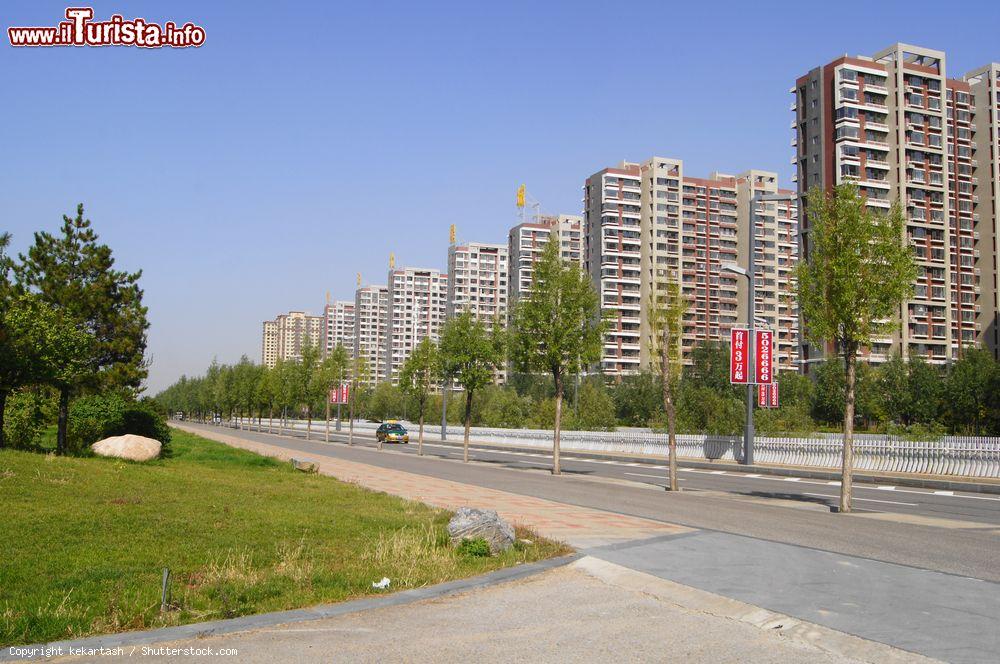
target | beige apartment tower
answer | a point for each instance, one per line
(371, 320)
(285, 336)
(338, 326)
(649, 224)
(477, 281)
(416, 300)
(896, 125)
(526, 241)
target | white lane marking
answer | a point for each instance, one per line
(944, 493)
(887, 487)
(794, 479)
(752, 475)
(717, 472)
(659, 477)
(834, 482)
(870, 500)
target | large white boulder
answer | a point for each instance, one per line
(129, 446)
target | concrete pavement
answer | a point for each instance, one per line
(589, 611)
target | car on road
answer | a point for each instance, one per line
(392, 432)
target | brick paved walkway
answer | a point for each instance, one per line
(580, 527)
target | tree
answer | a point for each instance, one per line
(597, 408)
(471, 354)
(666, 320)
(924, 389)
(75, 275)
(855, 276)
(418, 377)
(968, 382)
(557, 327)
(638, 399)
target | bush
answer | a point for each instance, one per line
(24, 419)
(474, 548)
(96, 417)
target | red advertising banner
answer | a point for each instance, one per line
(764, 357)
(767, 396)
(739, 355)
(340, 395)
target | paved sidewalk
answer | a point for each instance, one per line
(581, 613)
(580, 527)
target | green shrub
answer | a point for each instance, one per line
(24, 419)
(93, 418)
(474, 548)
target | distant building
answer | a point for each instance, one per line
(651, 223)
(338, 326)
(478, 281)
(899, 127)
(371, 313)
(526, 241)
(416, 309)
(286, 335)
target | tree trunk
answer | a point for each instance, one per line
(3, 406)
(668, 406)
(847, 473)
(350, 425)
(468, 423)
(328, 419)
(270, 418)
(557, 376)
(61, 447)
(420, 435)
(309, 423)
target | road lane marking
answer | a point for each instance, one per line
(944, 493)
(870, 500)
(886, 487)
(793, 479)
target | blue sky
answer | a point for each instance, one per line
(305, 141)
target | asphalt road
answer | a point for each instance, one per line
(956, 534)
(957, 505)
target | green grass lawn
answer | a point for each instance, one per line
(85, 541)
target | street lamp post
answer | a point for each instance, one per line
(750, 274)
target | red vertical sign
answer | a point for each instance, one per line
(774, 395)
(764, 357)
(340, 394)
(763, 392)
(739, 359)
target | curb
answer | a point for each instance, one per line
(258, 621)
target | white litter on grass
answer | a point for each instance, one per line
(381, 585)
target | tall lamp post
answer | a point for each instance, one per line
(750, 273)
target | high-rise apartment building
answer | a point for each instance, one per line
(896, 125)
(371, 321)
(338, 326)
(269, 344)
(477, 281)
(416, 308)
(526, 241)
(984, 85)
(649, 224)
(286, 335)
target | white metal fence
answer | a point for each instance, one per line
(960, 456)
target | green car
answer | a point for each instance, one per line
(392, 432)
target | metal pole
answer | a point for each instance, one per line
(340, 385)
(751, 301)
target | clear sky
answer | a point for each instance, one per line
(305, 141)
